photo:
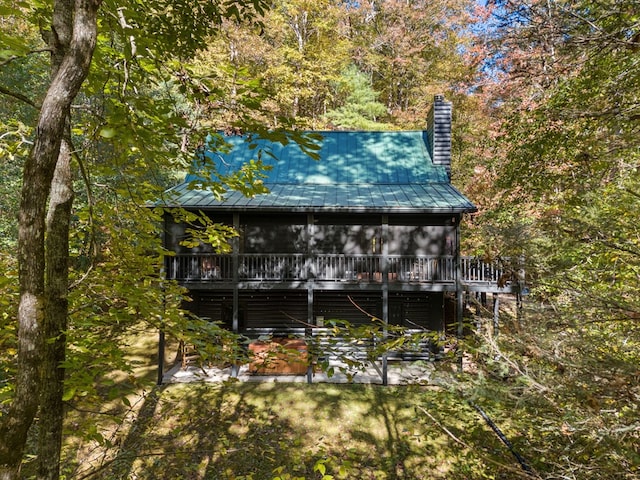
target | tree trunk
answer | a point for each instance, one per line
(37, 176)
(55, 318)
(51, 416)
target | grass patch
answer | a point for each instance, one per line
(246, 430)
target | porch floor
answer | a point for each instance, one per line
(398, 373)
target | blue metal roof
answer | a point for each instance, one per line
(356, 171)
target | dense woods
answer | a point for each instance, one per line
(105, 103)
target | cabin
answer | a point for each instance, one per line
(371, 228)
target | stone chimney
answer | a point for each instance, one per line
(439, 132)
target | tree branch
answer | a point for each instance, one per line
(19, 96)
(16, 57)
(516, 472)
(92, 249)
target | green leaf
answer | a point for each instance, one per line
(108, 132)
(69, 394)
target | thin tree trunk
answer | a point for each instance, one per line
(55, 318)
(51, 416)
(37, 176)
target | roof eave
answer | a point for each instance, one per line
(324, 209)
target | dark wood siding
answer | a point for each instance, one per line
(283, 309)
(274, 309)
(332, 305)
(215, 306)
(417, 310)
(347, 219)
(422, 219)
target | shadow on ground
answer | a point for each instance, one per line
(242, 431)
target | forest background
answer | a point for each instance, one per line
(546, 144)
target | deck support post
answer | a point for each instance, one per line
(309, 331)
(385, 292)
(235, 323)
(519, 306)
(496, 314)
(310, 297)
(161, 344)
(460, 294)
(161, 337)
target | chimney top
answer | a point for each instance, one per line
(439, 132)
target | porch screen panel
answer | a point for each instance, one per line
(348, 234)
(176, 233)
(348, 239)
(273, 234)
(421, 240)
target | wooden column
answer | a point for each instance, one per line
(161, 339)
(309, 331)
(384, 266)
(459, 285)
(235, 245)
(310, 299)
(496, 314)
(160, 357)
(459, 290)
(519, 289)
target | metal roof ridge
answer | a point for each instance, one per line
(364, 131)
(438, 182)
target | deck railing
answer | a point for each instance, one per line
(337, 268)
